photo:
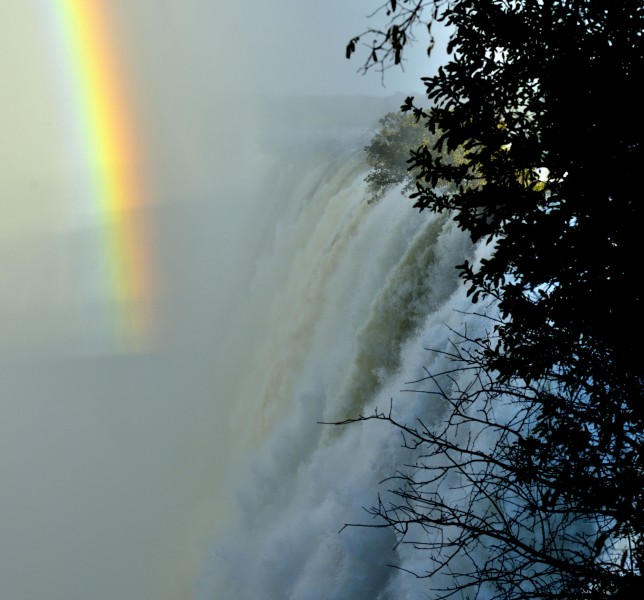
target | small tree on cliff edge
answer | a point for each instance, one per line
(543, 96)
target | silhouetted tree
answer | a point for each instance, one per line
(543, 97)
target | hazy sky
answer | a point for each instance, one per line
(109, 458)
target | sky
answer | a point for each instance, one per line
(112, 435)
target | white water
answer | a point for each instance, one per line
(344, 301)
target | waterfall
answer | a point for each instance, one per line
(343, 303)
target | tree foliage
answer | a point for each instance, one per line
(542, 97)
(388, 154)
(388, 151)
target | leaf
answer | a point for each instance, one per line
(351, 47)
(393, 5)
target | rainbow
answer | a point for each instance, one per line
(105, 124)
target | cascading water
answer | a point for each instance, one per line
(345, 299)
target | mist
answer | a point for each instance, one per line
(113, 455)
